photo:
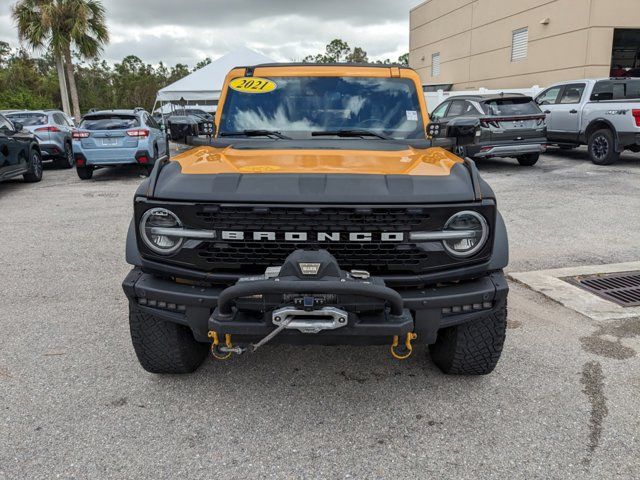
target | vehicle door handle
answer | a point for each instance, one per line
(547, 111)
(573, 111)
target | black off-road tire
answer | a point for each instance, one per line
(472, 348)
(85, 173)
(528, 160)
(164, 347)
(67, 160)
(602, 147)
(34, 174)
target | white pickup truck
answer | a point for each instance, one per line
(601, 113)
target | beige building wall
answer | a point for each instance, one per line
(568, 39)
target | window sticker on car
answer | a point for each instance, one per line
(252, 85)
(412, 115)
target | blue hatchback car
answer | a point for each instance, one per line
(118, 137)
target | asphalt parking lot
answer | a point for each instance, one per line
(562, 403)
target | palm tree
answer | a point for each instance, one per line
(64, 24)
(34, 29)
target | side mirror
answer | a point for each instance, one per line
(461, 129)
(17, 126)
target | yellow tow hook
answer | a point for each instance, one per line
(215, 351)
(407, 350)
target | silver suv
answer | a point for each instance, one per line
(53, 130)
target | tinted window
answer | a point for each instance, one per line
(28, 119)
(633, 89)
(59, 119)
(572, 93)
(299, 106)
(616, 90)
(151, 121)
(109, 122)
(440, 110)
(548, 97)
(461, 108)
(511, 106)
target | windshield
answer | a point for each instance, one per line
(299, 106)
(109, 122)
(28, 119)
(512, 106)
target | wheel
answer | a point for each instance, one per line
(472, 348)
(529, 159)
(34, 174)
(67, 160)
(85, 173)
(602, 147)
(164, 347)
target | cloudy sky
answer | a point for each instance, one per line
(186, 31)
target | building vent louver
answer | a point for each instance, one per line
(435, 64)
(519, 44)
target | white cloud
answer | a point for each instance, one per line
(177, 31)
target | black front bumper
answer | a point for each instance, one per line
(425, 311)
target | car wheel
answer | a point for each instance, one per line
(528, 160)
(602, 147)
(164, 347)
(85, 173)
(34, 174)
(67, 160)
(472, 348)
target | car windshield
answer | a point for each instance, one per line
(28, 119)
(299, 106)
(109, 122)
(512, 106)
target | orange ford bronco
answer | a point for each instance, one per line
(318, 213)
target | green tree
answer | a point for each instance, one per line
(338, 51)
(404, 59)
(357, 56)
(202, 63)
(32, 17)
(177, 72)
(63, 25)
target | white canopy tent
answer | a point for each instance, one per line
(202, 87)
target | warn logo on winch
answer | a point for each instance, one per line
(313, 236)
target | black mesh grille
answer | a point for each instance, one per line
(377, 256)
(315, 219)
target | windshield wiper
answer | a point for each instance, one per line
(348, 133)
(255, 133)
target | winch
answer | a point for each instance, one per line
(308, 294)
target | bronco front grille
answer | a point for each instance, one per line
(378, 257)
(374, 257)
(315, 219)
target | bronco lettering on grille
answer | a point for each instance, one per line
(313, 236)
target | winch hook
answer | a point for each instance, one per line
(406, 350)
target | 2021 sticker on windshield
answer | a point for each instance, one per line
(253, 85)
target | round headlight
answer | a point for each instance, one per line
(154, 230)
(469, 232)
